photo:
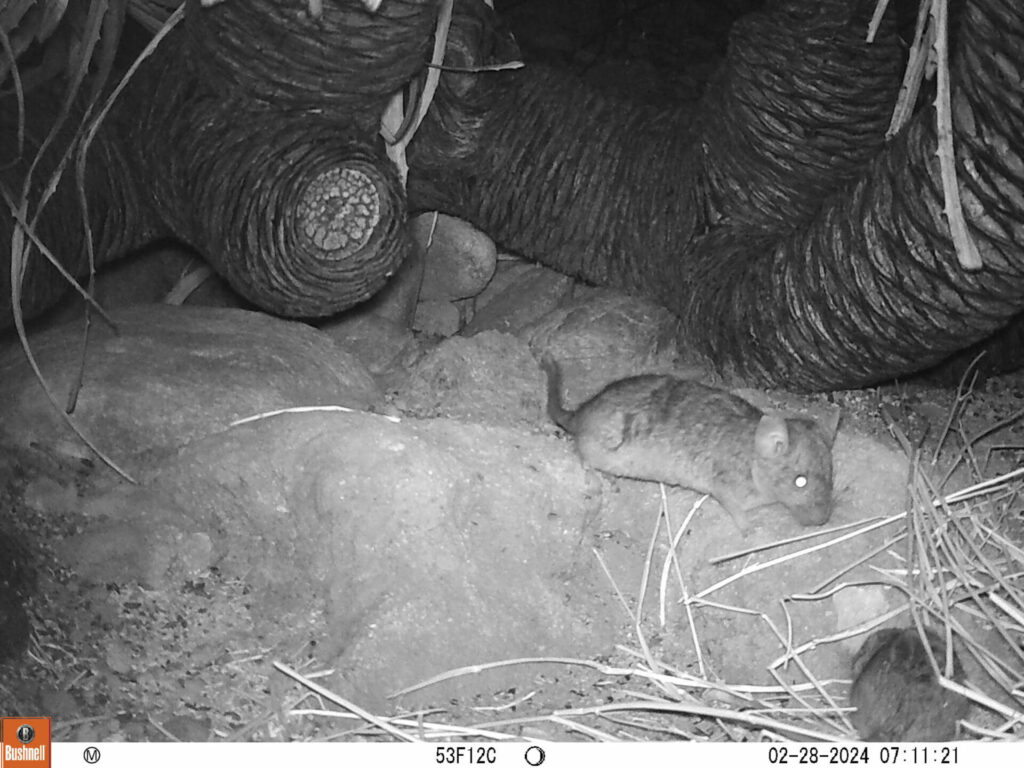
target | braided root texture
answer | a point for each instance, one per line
(348, 61)
(110, 193)
(250, 137)
(779, 132)
(302, 217)
(799, 249)
(305, 224)
(871, 288)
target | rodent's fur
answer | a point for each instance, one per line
(896, 693)
(682, 432)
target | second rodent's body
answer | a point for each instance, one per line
(896, 693)
(682, 432)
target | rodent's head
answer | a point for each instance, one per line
(793, 466)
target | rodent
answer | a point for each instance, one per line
(682, 432)
(896, 693)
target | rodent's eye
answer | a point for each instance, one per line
(800, 481)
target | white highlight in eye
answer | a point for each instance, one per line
(800, 482)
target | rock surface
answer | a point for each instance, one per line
(460, 259)
(491, 378)
(519, 293)
(466, 533)
(173, 374)
(425, 544)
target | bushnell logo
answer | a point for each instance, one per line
(25, 742)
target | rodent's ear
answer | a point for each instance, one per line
(830, 425)
(772, 436)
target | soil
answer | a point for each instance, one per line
(137, 652)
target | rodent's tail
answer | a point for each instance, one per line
(556, 410)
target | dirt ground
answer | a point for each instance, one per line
(156, 612)
(461, 551)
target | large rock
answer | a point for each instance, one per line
(489, 378)
(382, 345)
(601, 335)
(170, 375)
(417, 545)
(519, 293)
(425, 545)
(460, 259)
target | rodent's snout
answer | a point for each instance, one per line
(812, 514)
(812, 517)
(807, 499)
(809, 493)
